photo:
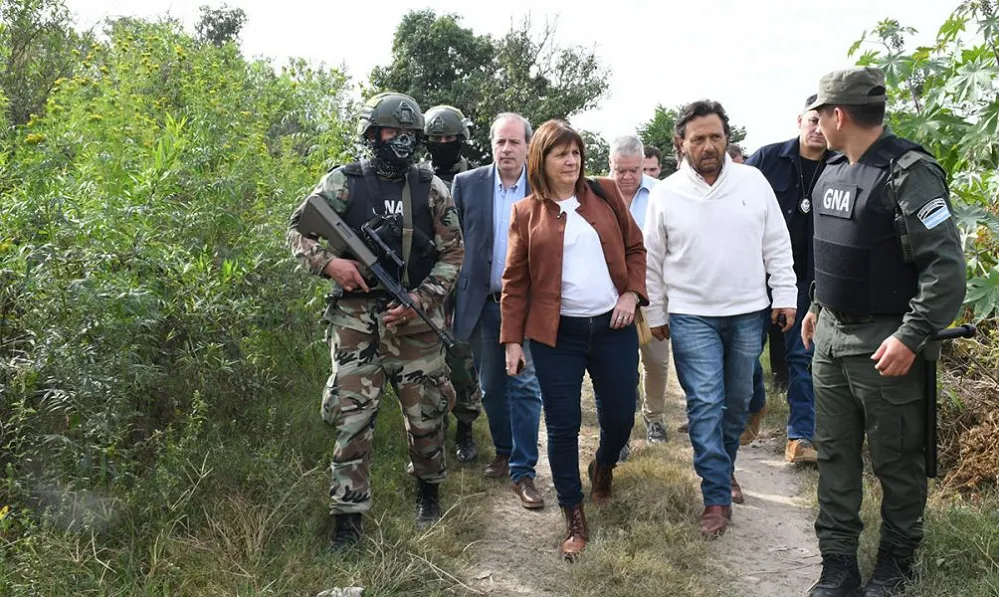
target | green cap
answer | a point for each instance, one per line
(851, 87)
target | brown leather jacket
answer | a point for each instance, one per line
(532, 281)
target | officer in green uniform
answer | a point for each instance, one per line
(446, 132)
(376, 340)
(889, 273)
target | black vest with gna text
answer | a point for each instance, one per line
(859, 264)
(371, 196)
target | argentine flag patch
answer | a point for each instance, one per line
(933, 213)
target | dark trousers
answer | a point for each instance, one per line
(853, 400)
(586, 344)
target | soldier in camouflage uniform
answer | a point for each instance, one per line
(446, 130)
(375, 339)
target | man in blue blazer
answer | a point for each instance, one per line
(484, 198)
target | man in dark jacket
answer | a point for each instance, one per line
(792, 167)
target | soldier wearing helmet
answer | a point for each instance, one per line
(375, 340)
(446, 130)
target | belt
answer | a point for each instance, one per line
(849, 318)
(494, 297)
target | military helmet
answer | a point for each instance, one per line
(446, 120)
(390, 109)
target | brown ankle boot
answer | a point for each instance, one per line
(601, 478)
(576, 533)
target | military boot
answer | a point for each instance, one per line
(428, 503)
(464, 443)
(347, 533)
(892, 575)
(840, 577)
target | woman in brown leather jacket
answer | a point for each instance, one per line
(575, 274)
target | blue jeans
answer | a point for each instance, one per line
(800, 395)
(714, 359)
(611, 358)
(512, 404)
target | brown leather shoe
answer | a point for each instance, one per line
(714, 520)
(601, 478)
(576, 533)
(499, 467)
(737, 497)
(530, 498)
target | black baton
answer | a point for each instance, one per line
(931, 353)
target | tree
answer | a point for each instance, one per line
(660, 130)
(219, 26)
(438, 61)
(38, 46)
(945, 97)
(597, 153)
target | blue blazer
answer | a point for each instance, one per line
(473, 197)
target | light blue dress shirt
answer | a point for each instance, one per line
(503, 200)
(640, 204)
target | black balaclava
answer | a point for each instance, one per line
(444, 155)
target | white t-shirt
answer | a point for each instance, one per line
(587, 288)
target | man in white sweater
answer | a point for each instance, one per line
(713, 232)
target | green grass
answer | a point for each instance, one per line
(647, 542)
(251, 519)
(960, 551)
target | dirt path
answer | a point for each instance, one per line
(769, 551)
(511, 557)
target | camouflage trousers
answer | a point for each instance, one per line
(465, 379)
(362, 363)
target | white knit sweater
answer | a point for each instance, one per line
(710, 247)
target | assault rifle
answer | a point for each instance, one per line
(319, 220)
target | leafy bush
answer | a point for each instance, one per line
(946, 97)
(145, 280)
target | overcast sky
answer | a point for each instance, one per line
(759, 58)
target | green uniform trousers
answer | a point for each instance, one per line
(464, 378)
(853, 399)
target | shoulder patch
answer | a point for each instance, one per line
(933, 213)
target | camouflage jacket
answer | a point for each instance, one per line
(364, 315)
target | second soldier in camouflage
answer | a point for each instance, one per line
(446, 130)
